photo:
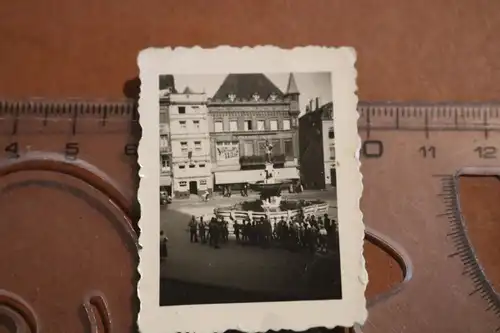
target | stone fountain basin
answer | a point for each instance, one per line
(288, 209)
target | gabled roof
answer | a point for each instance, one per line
(167, 81)
(327, 111)
(244, 86)
(324, 112)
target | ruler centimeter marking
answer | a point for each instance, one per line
(83, 117)
(419, 118)
(374, 116)
(428, 118)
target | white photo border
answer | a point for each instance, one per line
(253, 317)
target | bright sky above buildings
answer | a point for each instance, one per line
(310, 85)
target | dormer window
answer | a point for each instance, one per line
(231, 97)
(255, 96)
(273, 96)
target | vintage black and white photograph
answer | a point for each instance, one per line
(248, 190)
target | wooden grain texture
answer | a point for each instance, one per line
(407, 50)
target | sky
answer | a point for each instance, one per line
(310, 85)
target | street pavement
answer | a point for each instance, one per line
(248, 268)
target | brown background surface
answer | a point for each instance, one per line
(407, 50)
(425, 50)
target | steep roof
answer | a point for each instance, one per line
(324, 112)
(167, 81)
(188, 90)
(292, 85)
(245, 85)
(327, 111)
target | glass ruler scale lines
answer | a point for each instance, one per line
(404, 147)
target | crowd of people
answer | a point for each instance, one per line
(301, 232)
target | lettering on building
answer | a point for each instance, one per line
(228, 151)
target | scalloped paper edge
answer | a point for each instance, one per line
(254, 317)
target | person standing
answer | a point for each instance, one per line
(202, 231)
(163, 246)
(236, 229)
(211, 227)
(192, 230)
(216, 233)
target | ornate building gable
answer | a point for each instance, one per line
(253, 87)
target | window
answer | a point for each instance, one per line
(201, 165)
(164, 140)
(218, 126)
(203, 182)
(183, 124)
(276, 147)
(233, 125)
(331, 133)
(163, 118)
(289, 148)
(332, 152)
(183, 183)
(165, 162)
(182, 109)
(182, 166)
(191, 166)
(184, 147)
(247, 125)
(273, 124)
(260, 125)
(248, 148)
(196, 124)
(286, 124)
(197, 145)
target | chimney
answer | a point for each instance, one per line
(317, 103)
(311, 105)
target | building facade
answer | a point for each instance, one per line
(190, 143)
(317, 147)
(247, 111)
(167, 87)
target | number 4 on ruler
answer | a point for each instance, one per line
(13, 150)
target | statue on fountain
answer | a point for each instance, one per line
(269, 149)
(271, 194)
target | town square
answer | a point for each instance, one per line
(247, 189)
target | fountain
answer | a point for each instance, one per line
(270, 204)
(269, 189)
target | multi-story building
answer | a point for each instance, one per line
(245, 112)
(167, 86)
(317, 147)
(189, 142)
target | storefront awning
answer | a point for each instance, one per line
(165, 181)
